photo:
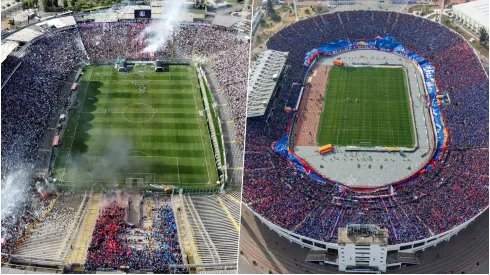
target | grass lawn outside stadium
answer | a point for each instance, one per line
(366, 106)
(128, 137)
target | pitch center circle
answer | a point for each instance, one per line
(138, 112)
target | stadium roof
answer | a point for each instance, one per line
(263, 80)
(7, 48)
(24, 35)
(226, 20)
(59, 22)
(476, 10)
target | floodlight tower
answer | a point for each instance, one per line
(295, 10)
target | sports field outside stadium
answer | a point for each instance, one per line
(366, 106)
(141, 127)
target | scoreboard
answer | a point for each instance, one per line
(142, 14)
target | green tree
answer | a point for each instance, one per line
(270, 8)
(72, 2)
(65, 3)
(55, 3)
(25, 5)
(483, 36)
(307, 11)
(77, 7)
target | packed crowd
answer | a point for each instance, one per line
(34, 95)
(8, 66)
(420, 209)
(225, 52)
(109, 247)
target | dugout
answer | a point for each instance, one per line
(121, 66)
(160, 66)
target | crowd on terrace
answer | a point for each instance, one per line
(452, 192)
(34, 95)
(109, 247)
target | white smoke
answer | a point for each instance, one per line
(14, 197)
(156, 35)
(14, 190)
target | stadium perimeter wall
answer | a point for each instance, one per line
(410, 247)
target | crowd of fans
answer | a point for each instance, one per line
(109, 247)
(452, 192)
(34, 95)
(8, 66)
(227, 54)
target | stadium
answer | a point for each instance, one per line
(376, 127)
(122, 145)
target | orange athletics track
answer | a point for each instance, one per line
(310, 108)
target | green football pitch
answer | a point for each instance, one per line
(137, 128)
(366, 106)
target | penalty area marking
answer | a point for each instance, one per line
(153, 113)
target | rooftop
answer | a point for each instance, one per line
(477, 10)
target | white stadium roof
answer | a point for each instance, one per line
(476, 10)
(7, 48)
(24, 35)
(59, 22)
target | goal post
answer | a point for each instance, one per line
(134, 180)
(365, 144)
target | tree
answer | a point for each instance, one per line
(72, 2)
(483, 36)
(447, 22)
(270, 8)
(307, 11)
(25, 5)
(55, 3)
(65, 3)
(77, 7)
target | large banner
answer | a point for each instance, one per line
(388, 44)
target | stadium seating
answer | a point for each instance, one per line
(54, 234)
(215, 236)
(454, 191)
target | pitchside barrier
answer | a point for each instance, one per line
(387, 44)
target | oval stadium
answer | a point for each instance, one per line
(122, 141)
(373, 146)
